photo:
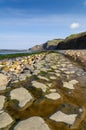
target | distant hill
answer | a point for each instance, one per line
(74, 41)
(49, 45)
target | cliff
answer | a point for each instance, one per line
(74, 41)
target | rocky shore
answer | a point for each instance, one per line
(45, 91)
(77, 55)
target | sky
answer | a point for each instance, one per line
(25, 23)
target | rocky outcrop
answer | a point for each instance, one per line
(49, 45)
(75, 41)
(37, 48)
(77, 55)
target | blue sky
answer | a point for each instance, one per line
(25, 23)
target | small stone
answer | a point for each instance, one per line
(53, 96)
(68, 85)
(54, 67)
(72, 72)
(67, 72)
(73, 81)
(5, 120)
(62, 117)
(41, 77)
(80, 110)
(3, 81)
(57, 74)
(43, 69)
(39, 85)
(62, 69)
(49, 85)
(52, 77)
(36, 72)
(2, 101)
(69, 92)
(22, 95)
(33, 123)
(52, 90)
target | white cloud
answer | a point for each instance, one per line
(74, 25)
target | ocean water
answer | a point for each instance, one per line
(13, 52)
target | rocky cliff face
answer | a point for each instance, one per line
(49, 45)
(37, 48)
(75, 41)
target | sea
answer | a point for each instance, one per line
(13, 52)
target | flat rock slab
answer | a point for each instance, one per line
(2, 101)
(52, 90)
(44, 78)
(62, 117)
(39, 85)
(73, 81)
(22, 95)
(33, 123)
(52, 77)
(3, 81)
(5, 120)
(70, 84)
(53, 96)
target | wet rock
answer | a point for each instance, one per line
(68, 85)
(53, 96)
(39, 85)
(73, 82)
(5, 120)
(3, 81)
(33, 123)
(23, 76)
(52, 77)
(2, 101)
(44, 78)
(36, 72)
(52, 90)
(22, 95)
(62, 117)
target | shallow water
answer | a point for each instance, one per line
(73, 101)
